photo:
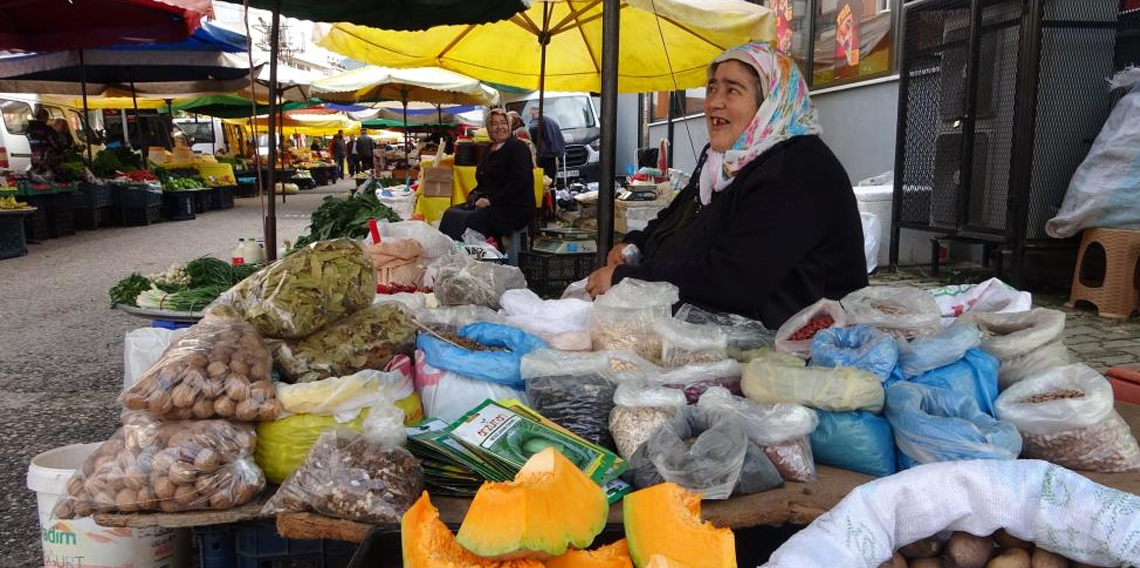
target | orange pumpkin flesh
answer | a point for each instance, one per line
(551, 506)
(614, 555)
(662, 561)
(665, 519)
(428, 543)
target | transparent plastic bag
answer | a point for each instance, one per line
(462, 280)
(142, 347)
(623, 318)
(696, 378)
(1026, 343)
(283, 444)
(639, 409)
(367, 339)
(796, 334)
(344, 397)
(572, 390)
(564, 324)
(448, 396)
(835, 389)
(218, 369)
(703, 453)
(304, 291)
(452, 318)
(743, 335)
(933, 424)
(857, 441)
(434, 243)
(974, 375)
(148, 465)
(1066, 416)
(685, 343)
(859, 346)
(781, 429)
(901, 311)
(933, 351)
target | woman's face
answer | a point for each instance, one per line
(498, 128)
(730, 103)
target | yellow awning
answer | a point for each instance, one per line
(309, 125)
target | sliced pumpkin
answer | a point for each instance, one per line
(662, 561)
(551, 506)
(428, 543)
(614, 555)
(665, 520)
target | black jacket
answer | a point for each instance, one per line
(365, 145)
(785, 233)
(506, 176)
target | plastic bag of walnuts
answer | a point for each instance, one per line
(166, 466)
(219, 369)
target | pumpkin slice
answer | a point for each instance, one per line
(614, 555)
(665, 519)
(428, 543)
(662, 561)
(550, 506)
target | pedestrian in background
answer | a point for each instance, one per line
(365, 146)
(551, 145)
(338, 147)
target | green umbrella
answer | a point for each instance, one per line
(227, 106)
(399, 124)
(396, 14)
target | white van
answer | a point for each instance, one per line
(203, 135)
(17, 110)
(577, 114)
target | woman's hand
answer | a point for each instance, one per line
(615, 257)
(600, 280)
(482, 202)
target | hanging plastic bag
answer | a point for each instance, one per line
(639, 409)
(933, 424)
(462, 280)
(933, 351)
(781, 430)
(1066, 416)
(974, 375)
(398, 263)
(711, 464)
(1026, 343)
(434, 244)
(858, 441)
(872, 229)
(148, 465)
(993, 295)
(796, 335)
(623, 317)
(684, 343)
(836, 389)
(344, 397)
(368, 339)
(859, 346)
(695, 379)
(743, 335)
(142, 347)
(564, 324)
(572, 390)
(901, 311)
(282, 444)
(452, 318)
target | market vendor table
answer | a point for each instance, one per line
(462, 182)
(13, 241)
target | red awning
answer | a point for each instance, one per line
(59, 25)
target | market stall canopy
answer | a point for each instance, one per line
(43, 25)
(665, 44)
(424, 84)
(227, 106)
(395, 14)
(309, 125)
(294, 84)
(98, 103)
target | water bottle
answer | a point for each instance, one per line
(237, 257)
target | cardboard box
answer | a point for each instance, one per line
(435, 188)
(646, 210)
(432, 173)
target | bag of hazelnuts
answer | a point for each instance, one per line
(149, 465)
(218, 369)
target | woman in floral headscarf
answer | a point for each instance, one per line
(768, 225)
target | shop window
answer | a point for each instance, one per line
(792, 21)
(689, 103)
(16, 116)
(854, 41)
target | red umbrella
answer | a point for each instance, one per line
(58, 25)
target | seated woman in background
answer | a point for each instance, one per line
(769, 224)
(503, 199)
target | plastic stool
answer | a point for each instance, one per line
(1117, 296)
(516, 243)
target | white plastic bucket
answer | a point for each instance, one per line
(81, 542)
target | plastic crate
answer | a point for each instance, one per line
(36, 224)
(94, 196)
(61, 214)
(549, 274)
(136, 196)
(226, 196)
(246, 187)
(91, 219)
(256, 544)
(140, 216)
(178, 205)
(12, 240)
(203, 200)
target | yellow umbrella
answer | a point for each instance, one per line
(425, 85)
(665, 44)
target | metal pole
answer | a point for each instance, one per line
(87, 133)
(611, 25)
(1025, 125)
(543, 40)
(407, 166)
(671, 127)
(271, 210)
(281, 104)
(139, 126)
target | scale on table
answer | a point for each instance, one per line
(565, 241)
(638, 192)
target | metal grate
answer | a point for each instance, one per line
(576, 156)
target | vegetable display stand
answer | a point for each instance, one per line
(322, 175)
(12, 239)
(178, 205)
(256, 544)
(225, 196)
(549, 274)
(61, 214)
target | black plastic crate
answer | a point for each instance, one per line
(94, 196)
(246, 187)
(548, 275)
(61, 219)
(36, 224)
(226, 196)
(179, 205)
(256, 544)
(91, 219)
(140, 216)
(203, 201)
(12, 240)
(132, 196)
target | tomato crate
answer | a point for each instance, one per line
(256, 544)
(94, 196)
(548, 275)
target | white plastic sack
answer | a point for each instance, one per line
(434, 243)
(902, 311)
(577, 291)
(623, 317)
(448, 396)
(1061, 511)
(344, 397)
(402, 201)
(142, 348)
(1026, 343)
(1105, 189)
(872, 228)
(788, 338)
(765, 424)
(993, 295)
(564, 324)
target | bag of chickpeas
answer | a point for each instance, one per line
(149, 465)
(218, 369)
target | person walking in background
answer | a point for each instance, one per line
(338, 147)
(350, 155)
(551, 145)
(365, 146)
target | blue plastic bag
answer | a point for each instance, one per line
(933, 351)
(859, 346)
(858, 441)
(500, 367)
(935, 424)
(974, 375)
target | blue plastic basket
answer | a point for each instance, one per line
(256, 544)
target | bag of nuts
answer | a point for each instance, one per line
(218, 369)
(166, 466)
(624, 317)
(1066, 416)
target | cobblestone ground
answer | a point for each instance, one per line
(61, 348)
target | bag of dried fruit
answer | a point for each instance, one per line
(367, 339)
(1066, 416)
(796, 335)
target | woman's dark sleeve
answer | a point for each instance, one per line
(640, 237)
(519, 188)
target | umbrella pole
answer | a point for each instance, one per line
(271, 213)
(407, 157)
(139, 126)
(281, 104)
(87, 133)
(543, 40)
(611, 23)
